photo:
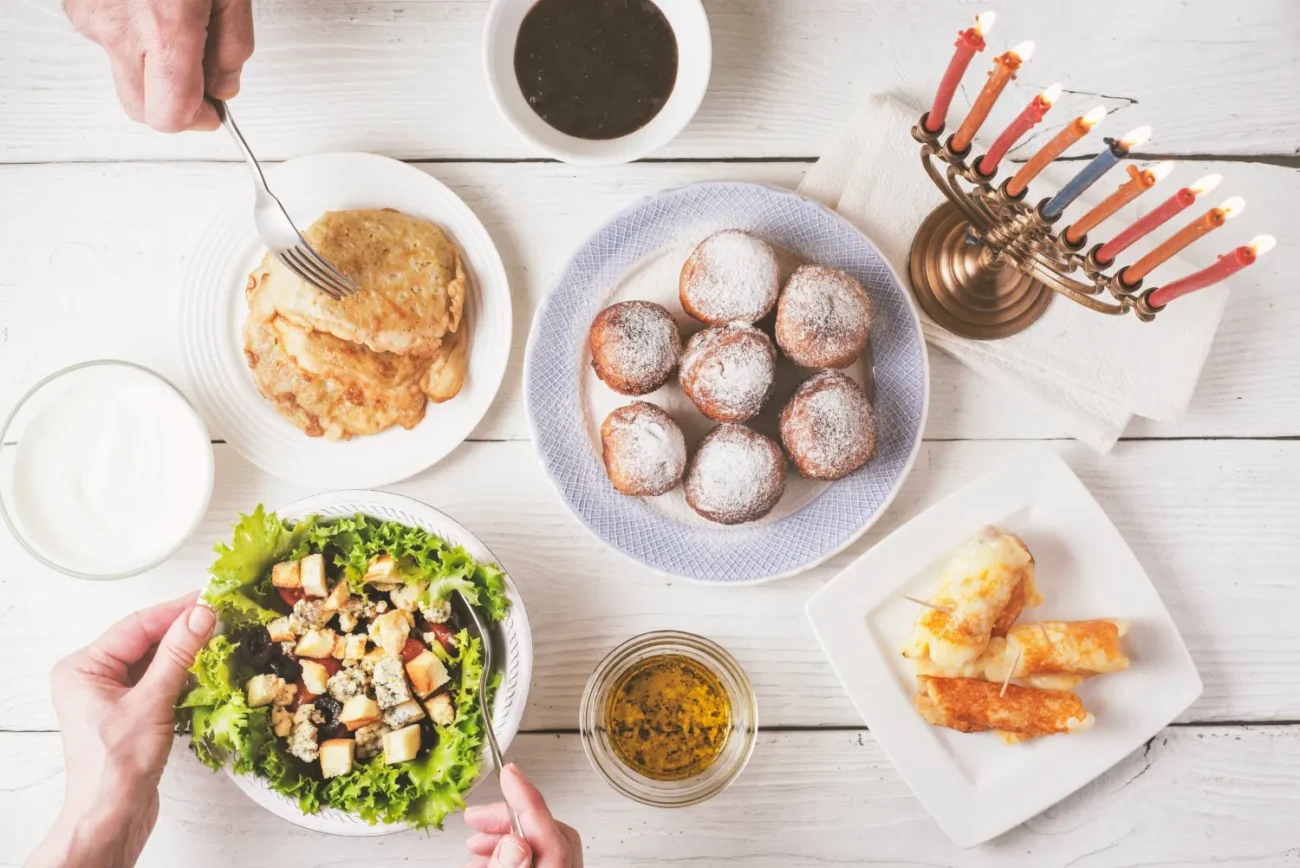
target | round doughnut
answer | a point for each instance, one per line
(634, 346)
(822, 318)
(728, 371)
(731, 276)
(828, 426)
(643, 448)
(737, 475)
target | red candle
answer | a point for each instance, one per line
(1206, 223)
(1228, 264)
(1004, 69)
(1140, 180)
(968, 42)
(987, 165)
(1164, 212)
(1077, 129)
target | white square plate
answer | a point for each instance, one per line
(973, 785)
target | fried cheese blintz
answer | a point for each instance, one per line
(972, 705)
(983, 589)
(1056, 654)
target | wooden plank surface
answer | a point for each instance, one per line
(403, 77)
(93, 256)
(1192, 796)
(1213, 524)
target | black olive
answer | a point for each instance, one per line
(329, 707)
(331, 730)
(255, 647)
(286, 667)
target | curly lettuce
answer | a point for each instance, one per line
(224, 729)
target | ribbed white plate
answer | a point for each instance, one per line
(512, 651)
(213, 309)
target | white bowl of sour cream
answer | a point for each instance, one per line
(105, 470)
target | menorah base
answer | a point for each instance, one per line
(963, 288)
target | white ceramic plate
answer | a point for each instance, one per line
(213, 309)
(512, 652)
(973, 785)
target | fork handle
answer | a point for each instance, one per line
(500, 764)
(227, 121)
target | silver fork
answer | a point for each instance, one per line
(495, 748)
(275, 227)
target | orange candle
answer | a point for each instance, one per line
(1140, 180)
(1004, 69)
(1167, 210)
(1077, 129)
(1206, 223)
(968, 42)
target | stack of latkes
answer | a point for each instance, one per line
(372, 360)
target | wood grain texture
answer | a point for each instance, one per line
(1192, 796)
(1212, 522)
(93, 256)
(403, 77)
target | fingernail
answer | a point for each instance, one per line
(511, 854)
(201, 621)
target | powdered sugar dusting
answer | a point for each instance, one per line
(639, 348)
(644, 448)
(829, 427)
(730, 277)
(728, 371)
(823, 317)
(738, 475)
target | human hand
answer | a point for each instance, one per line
(550, 844)
(114, 702)
(166, 54)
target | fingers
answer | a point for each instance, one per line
(128, 80)
(511, 852)
(130, 640)
(166, 676)
(173, 85)
(522, 795)
(481, 844)
(489, 819)
(547, 837)
(230, 44)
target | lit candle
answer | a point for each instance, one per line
(1175, 204)
(1206, 223)
(1077, 129)
(1140, 180)
(1004, 69)
(1101, 164)
(1229, 264)
(987, 165)
(968, 42)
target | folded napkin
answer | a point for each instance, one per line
(1092, 370)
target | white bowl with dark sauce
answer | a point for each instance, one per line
(597, 83)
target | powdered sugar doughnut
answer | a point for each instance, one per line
(643, 448)
(731, 276)
(634, 346)
(728, 371)
(828, 427)
(737, 475)
(823, 318)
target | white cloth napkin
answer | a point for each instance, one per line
(1093, 370)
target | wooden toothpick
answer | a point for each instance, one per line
(1010, 672)
(943, 609)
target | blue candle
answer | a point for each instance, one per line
(1100, 165)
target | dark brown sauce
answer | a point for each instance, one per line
(596, 69)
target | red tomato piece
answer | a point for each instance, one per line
(304, 695)
(412, 649)
(291, 595)
(444, 636)
(331, 665)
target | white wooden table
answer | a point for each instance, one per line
(97, 217)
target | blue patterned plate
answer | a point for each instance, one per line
(556, 373)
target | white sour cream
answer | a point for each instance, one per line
(111, 471)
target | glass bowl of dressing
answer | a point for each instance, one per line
(105, 470)
(669, 719)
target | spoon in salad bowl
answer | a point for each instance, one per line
(480, 626)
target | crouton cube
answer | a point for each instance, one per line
(408, 596)
(315, 677)
(339, 595)
(354, 647)
(359, 711)
(316, 643)
(287, 575)
(281, 722)
(336, 757)
(281, 630)
(427, 673)
(383, 569)
(404, 714)
(389, 631)
(261, 689)
(311, 572)
(441, 710)
(402, 745)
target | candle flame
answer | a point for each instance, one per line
(984, 22)
(1051, 95)
(1206, 184)
(1024, 50)
(1136, 138)
(1160, 171)
(1232, 207)
(1094, 116)
(1262, 244)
